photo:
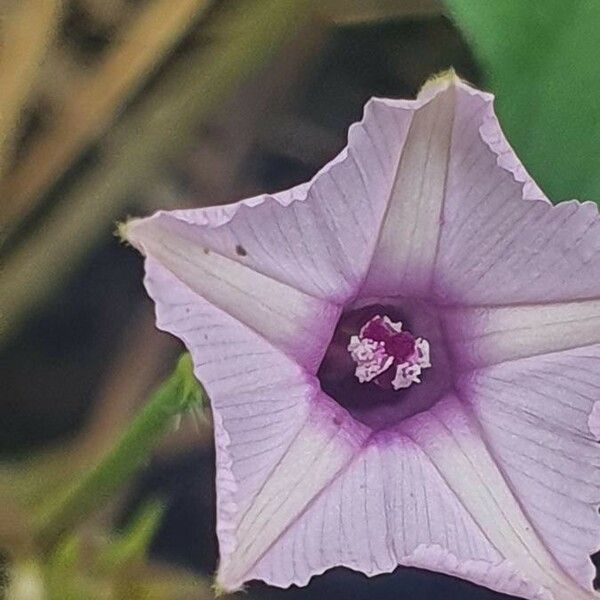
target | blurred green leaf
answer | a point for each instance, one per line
(540, 57)
(179, 394)
(132, 545)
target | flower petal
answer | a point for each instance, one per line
(535, 414)
(319, 236)
(408, 238)
(293, 236)
(427, 495)
(297, 323)
(389, 507)
(277, 441)
(451, 438)
(326, 443)
(502, 242)
(260, 399)
(485, 336)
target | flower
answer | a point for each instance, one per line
(340, 439)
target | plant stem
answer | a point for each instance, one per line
(176, 396)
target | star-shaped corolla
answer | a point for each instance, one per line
(424, 260)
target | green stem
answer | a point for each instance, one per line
(177, 395)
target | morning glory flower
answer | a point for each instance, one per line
(403, 358)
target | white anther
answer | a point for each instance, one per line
(396, 326)
(369, 370)
(422, 350)
(406, 374)
(370, 357)
(363, 349)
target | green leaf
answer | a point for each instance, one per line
(132, 545)
(179, 394)
(540, 58)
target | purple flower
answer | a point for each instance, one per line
(403, 357)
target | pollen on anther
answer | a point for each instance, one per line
(388, 355)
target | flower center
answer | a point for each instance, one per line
(373, 360)
(387, 355)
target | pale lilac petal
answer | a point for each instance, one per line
(293, 236)
(489, 335)
(405, 254)
(452, 440)
(328, 440)
(389, 507)
(293, 321)
(427, 495)
(318, 236)
(501, 241)
(278, 440)
(535, 414)
(260, 398)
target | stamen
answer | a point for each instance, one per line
(370, 356)
(381, 345)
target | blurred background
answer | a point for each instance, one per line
(111, 108)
